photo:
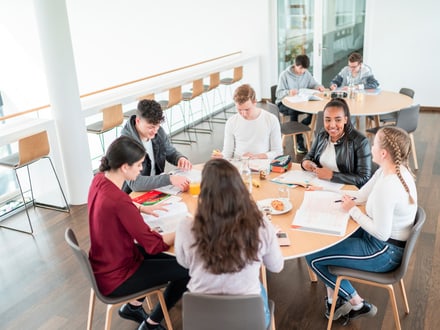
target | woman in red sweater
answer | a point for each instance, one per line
(125, 253)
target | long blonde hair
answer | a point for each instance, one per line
(397, 142)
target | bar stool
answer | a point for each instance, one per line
(187, 98)
(31, 149)
(112, 117)
(129, 113)
(228, 82)
(174, 99)
(213, 89)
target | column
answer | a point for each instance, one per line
(56, 46)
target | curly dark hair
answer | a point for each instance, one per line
(151, 111)
(227, 220)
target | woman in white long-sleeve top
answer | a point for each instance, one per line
(228, 240)
(390, 199)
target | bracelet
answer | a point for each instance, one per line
(139, 208)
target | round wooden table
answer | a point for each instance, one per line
(302, 243)
(364, 104)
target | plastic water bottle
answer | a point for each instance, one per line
(246, 174)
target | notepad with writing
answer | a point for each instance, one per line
(320, 214)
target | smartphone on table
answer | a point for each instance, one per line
(283, 238)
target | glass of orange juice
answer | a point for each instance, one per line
(194, 188)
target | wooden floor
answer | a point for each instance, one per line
(42, 287)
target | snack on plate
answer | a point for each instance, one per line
(216, 152)
(277, 205)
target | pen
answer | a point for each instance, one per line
(340, 200)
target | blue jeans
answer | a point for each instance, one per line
(266, 305)
(360, 251)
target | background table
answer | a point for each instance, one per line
(364, 104)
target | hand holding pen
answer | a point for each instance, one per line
(347, 202)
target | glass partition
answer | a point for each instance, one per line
(325, 30)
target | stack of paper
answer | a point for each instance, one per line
(321, 214)
(167, 221)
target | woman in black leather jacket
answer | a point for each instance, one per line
(339, 152)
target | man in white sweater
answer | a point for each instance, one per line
(252, 132)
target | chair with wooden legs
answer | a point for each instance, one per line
(111, 302)
(273, 98)
(290, 128)
(175, 99)
(129, 113)
(408, 120)
(112, 118)
(188, 98)
(211, 91)
(383, 280)
(390, 118)
(229, 81)
(31, 149)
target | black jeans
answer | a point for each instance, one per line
(294, 117)
(156, 270)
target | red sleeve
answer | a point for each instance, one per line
(133, 222)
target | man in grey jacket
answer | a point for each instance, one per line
(145, 128)
(290, 82)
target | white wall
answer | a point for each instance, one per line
(402, 42)
(116, 41)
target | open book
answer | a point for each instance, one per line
(304, 178)
(320, 214)
(167, 221)
(305, 94)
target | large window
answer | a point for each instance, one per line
(325, 30)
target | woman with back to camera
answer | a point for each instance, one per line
(228, 240)
(390, 198)
(339, 152)
(120, 265)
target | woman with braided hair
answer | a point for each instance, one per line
(390, 199)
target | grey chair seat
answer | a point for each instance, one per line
(219, 312)
(112, 302)
(385, 280)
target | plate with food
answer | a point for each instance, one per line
(276, 205)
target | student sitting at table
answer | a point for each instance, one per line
(378, 246)
(290, 82)
(145, 128)
(252, 132)
(339, 152)
(125, 253)
(356, 74)
(228, 240)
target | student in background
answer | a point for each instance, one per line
(228, 240)
(356, 74)
(252, 132)
(290, 82)
(145, 128)
(378, 246)
(125, 253)
(339, 152)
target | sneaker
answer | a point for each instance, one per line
(343, 307)
(134, 313)
(368, 310)
(301, 149)
(147, 326)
